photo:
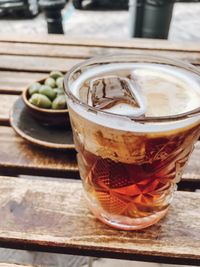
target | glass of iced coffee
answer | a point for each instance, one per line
(135, 120)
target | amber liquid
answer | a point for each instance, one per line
(139, 189)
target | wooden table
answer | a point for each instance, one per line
(49, 214)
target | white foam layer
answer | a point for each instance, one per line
(168, 92)
(125, 124)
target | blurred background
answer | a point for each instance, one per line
(103, 18)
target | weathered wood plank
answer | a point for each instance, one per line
(34, 64)
(66, 51)
(18, 156)
(52, 216)
(49, 50)
(38, 64)
(12, 82)
(119, 43)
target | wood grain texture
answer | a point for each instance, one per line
(14, 82)
(36, 63)
(18, 156)
(52, 216)
(119, 43)
(84, 52)
(37, 56)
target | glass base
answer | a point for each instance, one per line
(126, 223)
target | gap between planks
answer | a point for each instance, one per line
(118, 43)
(65, 51)
(39, 63)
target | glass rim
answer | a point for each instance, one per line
(162, 60)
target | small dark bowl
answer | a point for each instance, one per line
(48, 117)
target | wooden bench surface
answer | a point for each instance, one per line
(26, 59)
(49, 215)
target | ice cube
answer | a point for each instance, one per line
(117, 94)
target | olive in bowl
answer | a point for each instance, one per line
(47, 104)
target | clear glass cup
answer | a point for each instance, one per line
(129, 166)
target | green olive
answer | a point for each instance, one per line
(55, 74)
(47, 91)
(59, 102)
(34, 88)
(59, 82)
(59, 91)
(40, 101)
(50, 82)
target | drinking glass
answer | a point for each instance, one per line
(129, 165)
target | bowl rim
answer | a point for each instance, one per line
(44, 110)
